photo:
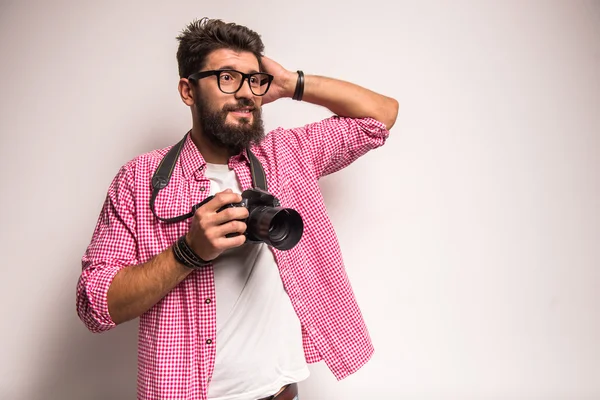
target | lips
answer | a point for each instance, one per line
(243, 110)
(244, 113)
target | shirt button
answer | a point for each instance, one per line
(207, 301)
(209, 341)
(202, 189)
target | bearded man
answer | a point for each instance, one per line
(222, 317)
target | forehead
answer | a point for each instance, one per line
(243, 61)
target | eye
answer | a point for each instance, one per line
(226, 77)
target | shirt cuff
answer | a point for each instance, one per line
(373, 128)
(94, 307)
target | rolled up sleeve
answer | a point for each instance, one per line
(112, 247)
(336, 142)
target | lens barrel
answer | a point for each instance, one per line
(279, 227)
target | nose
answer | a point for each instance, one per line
(244, 91)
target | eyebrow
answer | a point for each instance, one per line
(252, 71)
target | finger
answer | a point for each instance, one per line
(229, 243)
(229, 214)
(229, 227)
(221, 199)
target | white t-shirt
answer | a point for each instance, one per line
(259, 337)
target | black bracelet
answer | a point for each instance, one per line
(299, 87)
(185, 255)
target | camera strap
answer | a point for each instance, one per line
(163, 173)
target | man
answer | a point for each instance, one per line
(220, 317)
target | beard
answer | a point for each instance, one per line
(234, 138)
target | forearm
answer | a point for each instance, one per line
(135, 289)
(347, 99)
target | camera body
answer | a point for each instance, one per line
(267, 221)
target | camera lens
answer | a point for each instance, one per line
(279, 227)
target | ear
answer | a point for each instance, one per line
(186, 91)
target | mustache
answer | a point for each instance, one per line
(240, 104)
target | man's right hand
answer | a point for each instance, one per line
(137, 288)
(209, 227)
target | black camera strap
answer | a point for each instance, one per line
(163, 173)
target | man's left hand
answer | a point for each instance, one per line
(284, 81)
(340, 97)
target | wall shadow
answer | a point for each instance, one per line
(83, 365)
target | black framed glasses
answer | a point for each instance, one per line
(230, 80)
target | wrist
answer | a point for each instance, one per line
(185, 255)
(290, 84)
(299, 91)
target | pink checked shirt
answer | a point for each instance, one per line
(177, 337)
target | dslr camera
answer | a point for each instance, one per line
(267, 221)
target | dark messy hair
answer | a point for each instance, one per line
(201, 37)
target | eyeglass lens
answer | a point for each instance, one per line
(231, 82)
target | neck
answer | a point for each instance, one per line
(210, 152)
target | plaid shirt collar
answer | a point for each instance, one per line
(192, 160)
